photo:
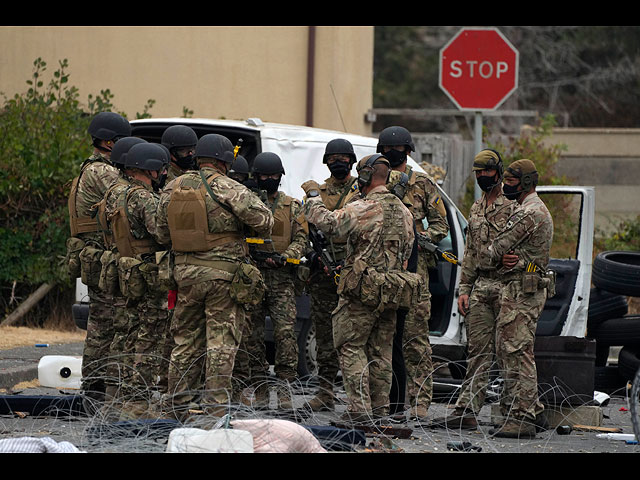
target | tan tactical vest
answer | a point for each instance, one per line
(187, 217)
(79, 224)
(281, 232)
(336, 202)
(126, 243)
(103, 221)
(437, 202)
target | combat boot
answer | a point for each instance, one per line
(261, 397)
(515, 429)
(460, 419)
(285, 402)
(419, 413)
(323, 401)
(357, 419)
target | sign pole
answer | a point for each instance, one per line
(478, 71)
(478, 147)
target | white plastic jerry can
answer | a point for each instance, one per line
(60, 371)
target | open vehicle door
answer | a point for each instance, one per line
(573, 212)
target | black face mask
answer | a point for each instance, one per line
(340, 170)
(158, 183)
(270, 185)
(511, 191)
(395, 157)
(185, 163)
(486, 184)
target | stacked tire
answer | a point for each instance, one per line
(616, 276)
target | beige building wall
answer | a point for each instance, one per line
(215, 71)
(609, 160)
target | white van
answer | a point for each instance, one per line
(301, 150)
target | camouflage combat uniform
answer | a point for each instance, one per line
(379, 236)
(120, 360)
(425, 203)
(480, 280)
(322, 293)
(529, 233)
(147, 314)
(96, 176)
(206, 320)
(173, 172)
(289, 238)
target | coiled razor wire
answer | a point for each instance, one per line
(102, 429)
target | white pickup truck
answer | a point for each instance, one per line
(301, 150)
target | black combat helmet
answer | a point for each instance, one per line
(120, 149)
(392, 136)
(147, 156)
(213, 145)
(267, 163)
(177, 136)
(240, 166)
(109, 126)
(339, 146)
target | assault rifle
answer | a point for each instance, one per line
(263, 256)
(425, 244)
(319, 244)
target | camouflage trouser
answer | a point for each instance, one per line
(206, 321)
(416, 347)
(120, 361)
(151, 316)
(364, 341)
(480, 323)
(97, 342)
(280, 304)
(323, 301)
(515, 336)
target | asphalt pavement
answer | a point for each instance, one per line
(92, 433)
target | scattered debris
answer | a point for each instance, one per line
(589, 428)
(387, 430)
(462, 447)
(36, 445)
(197, 440)
(617, 436)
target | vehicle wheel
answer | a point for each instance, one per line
(624, 331)
(629, 362)
(307, 364)
(617, 272)
(604, 305)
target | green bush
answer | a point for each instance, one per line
(625, 237)
(43, 140)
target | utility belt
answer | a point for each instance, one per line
(382, 289)
(532, 278)
(247, 285)
(224, 265)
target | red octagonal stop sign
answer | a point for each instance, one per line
(478, 69)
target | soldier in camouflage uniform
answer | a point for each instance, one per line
(336, 191)
(202, 214)
(396, 144)
(131, 213)
(96, 176)
(120, 355)
(181, 142)
(380, 238)
(480, 288)
(522, 251)
(288, 241)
